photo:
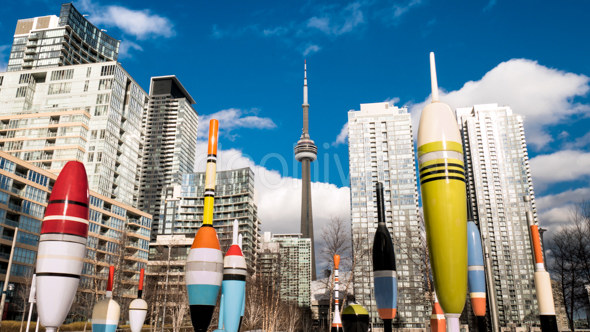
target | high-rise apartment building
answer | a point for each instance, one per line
(170, 126)
(292, 252)
(498, 174)
(381, 149)
(118, 235)
(235, 198)
(269, 258)
(51, 41)
(91, 113)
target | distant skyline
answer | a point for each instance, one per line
(243, 64)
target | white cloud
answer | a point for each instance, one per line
(4, 54)
(311, 49)
(278, 31)
(332, 20)
(561, 166)
(339, 23)
(124, 48)
(279, 197)
(399, 10)
(580, 142)
(393, 15)
(233, 118)
(489, 6)
(342, 136)
(550, 202)
(217, 33)
(556, 216)
(140, 23)
(544, 96)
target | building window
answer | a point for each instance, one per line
(65, 74)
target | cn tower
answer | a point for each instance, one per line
(305, 153)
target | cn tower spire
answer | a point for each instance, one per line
(305, 153)
(305, 82)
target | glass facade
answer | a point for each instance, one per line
(91, 113)
(381, 149)
(52, 41)
(292, 254)
(170, 126)
(114, 229)
(234, 199)
(499, 176)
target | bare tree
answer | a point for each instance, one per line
(92, 284)
(290, 317)
(253, 312)
(21, 298)
(336, 240)
(165, 288)
(566, 269)
(570, 260)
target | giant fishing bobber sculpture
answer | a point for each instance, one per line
(355, 318)
(437, 319)
(138, 308)
(62, 245)
(336, 322)
(106, 313)
(204, 265)
(442, 181)
(384, 272)
(233, 287)
(476, 274)
(542, 278)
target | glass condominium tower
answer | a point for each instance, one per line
(170, 126)
(498, 175)
(50, 41)
(381, 149)
(89, 112)
(235, 198)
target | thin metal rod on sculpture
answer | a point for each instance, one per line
(62, 245)
(32, 299)
(336, 322)
(244, 303)
(542, 279)
(138, 307)
(204, 265)
(106, 313)
(490, 283)
(384, 271)
(7, 279)
(442, 181)
(233, 287)
(221, 317)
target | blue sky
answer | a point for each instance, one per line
(242, 62)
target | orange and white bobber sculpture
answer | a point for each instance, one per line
(336, 322)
